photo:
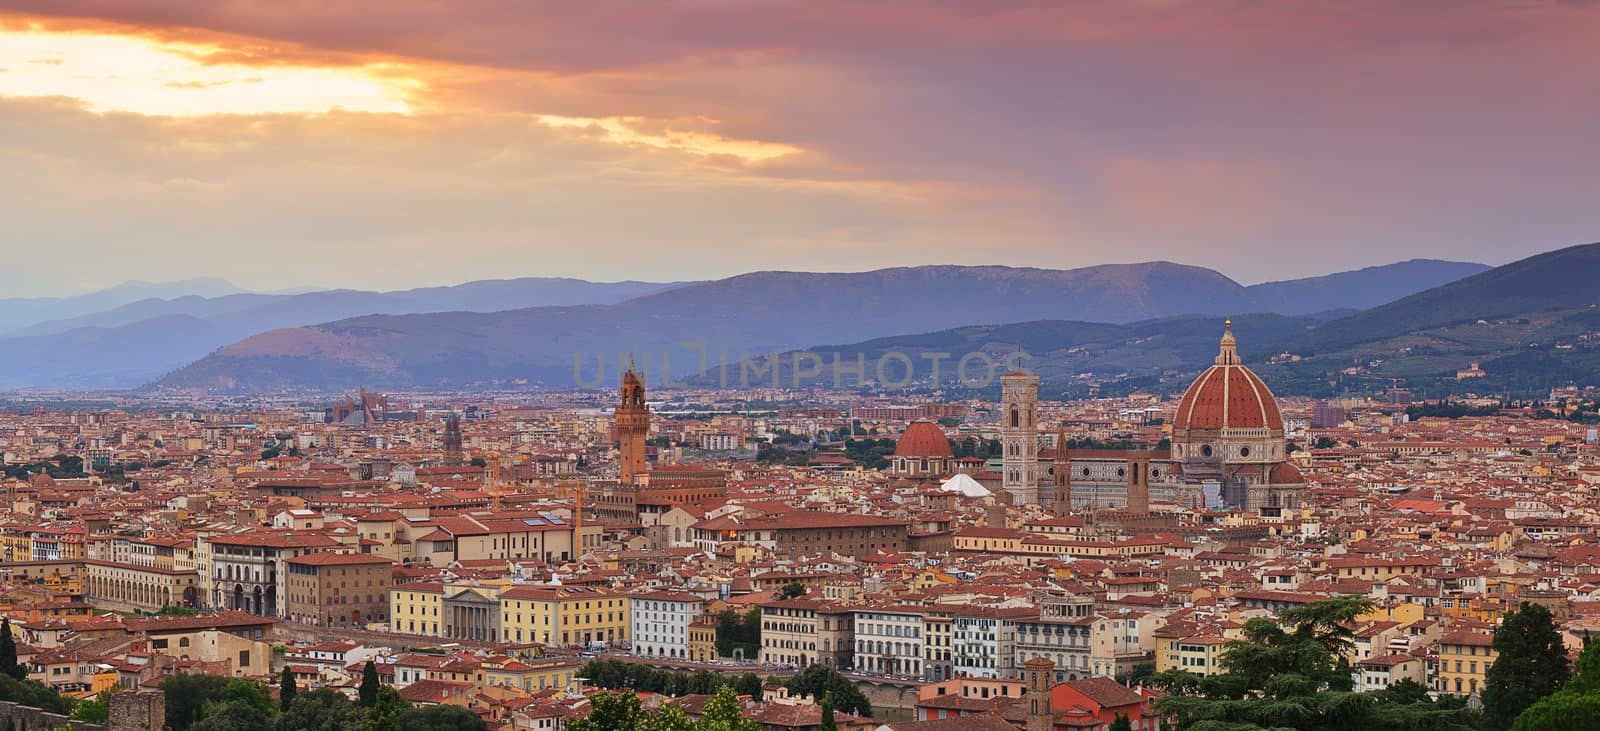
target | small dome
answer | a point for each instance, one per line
(923, 439)
(1285, 474)
(1228, 396)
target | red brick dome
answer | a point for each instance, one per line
(1228, 396)
(1285, 474)
(923, 439)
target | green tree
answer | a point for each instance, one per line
(1277, 678)
(8, 652)
(671, 717)
(188, 695)
(827, 724)
(1576, 705)
(704, 682)
(369, 684)
(248, 692)
(93, 710)
(1531, 664)
(33, 693)
(234, 716)
(1586, 672)
(748, 684)
(439, 718)
(319, 709)
(385, 710)
(723, 713)
(1560, 711)
(817, 681)
(739, 632)
(610, 712)
(1121, 723)
(792, 590)
(286, 688)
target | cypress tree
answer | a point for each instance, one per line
(286, 688)
(8, 652)
(369, 685)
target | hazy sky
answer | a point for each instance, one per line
(397, 143)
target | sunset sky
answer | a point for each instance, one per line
(397, 143)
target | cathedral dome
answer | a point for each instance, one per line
(1228, 396)
(923, 439)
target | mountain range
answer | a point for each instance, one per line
(21, 312)
(1531, 325)
(137, 337)
(685, 329)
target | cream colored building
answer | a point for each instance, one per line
(129, 588)
(564, 615)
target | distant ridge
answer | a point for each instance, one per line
(151, 336)
(1533, 325)
(747, 314)
(1561, 279)
(19, 312)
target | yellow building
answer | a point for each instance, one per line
(1198, 654)
(16, 545)
(563, 615)
(1404, 613)
(414, 609)
(1464, 660)
(1379, 569)
(532, 674)
(703, 639)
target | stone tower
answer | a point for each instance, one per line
(1139, 483)
(142, 710)
(452, 440)
(633, 427)
(1041, 714)
(1019, 437)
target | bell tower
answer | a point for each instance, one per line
(452, 440)
(633, 427)
(1019, 438)
(1138, 483)
(1041, 714)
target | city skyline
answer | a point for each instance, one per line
(277, 148)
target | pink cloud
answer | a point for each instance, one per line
(1160, 128)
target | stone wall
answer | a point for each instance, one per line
(142, 710)
(27, 718)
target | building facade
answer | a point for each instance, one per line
(568, 616)
(338, 589)
(660, 623)
(889, 641)
(246, 569)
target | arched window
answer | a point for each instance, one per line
(1016, 417)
